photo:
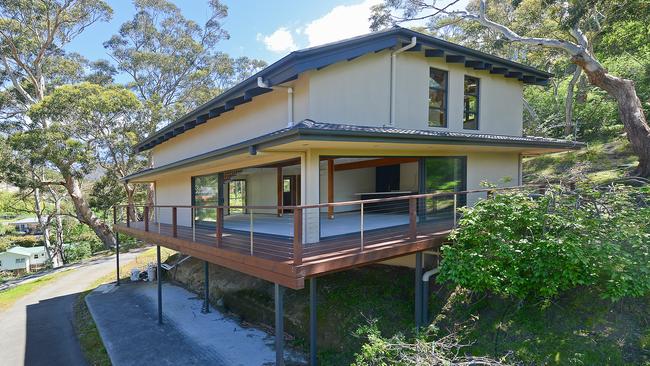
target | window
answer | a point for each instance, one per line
(470, 112)
(437, 98)
(35, 256)
(20, 260)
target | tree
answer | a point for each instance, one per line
(32, 62)
(173, 65)
(576, 20)
(88, 124)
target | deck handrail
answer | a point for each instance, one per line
(298, 210)
(347, 203)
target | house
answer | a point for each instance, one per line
(340, 155)
(22, 259)
(28, 225)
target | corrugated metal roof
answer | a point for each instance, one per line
(322, 131)
(26, 251)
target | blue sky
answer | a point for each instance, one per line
(260, 29)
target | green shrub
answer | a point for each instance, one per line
(77, 251)
(518, 246)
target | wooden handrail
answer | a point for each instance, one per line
(348, 203)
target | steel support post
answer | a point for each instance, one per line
(117, 258)
(159, 282)
(313, 303)
(418, 290)
(206, 294)
(279, 325)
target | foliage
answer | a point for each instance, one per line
(171, 60)
(28, 241)
(539, 247)
(396, 350)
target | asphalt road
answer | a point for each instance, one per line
(38, 330)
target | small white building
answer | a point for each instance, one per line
(23, 259)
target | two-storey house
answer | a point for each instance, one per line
(335, 156)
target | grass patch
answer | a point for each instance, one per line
(13, 294)
(88, 334)
(141, 261)
(599, 162)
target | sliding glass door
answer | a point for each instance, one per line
(443, 174)
(236, 196)
(205, 192)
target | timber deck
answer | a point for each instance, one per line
(271, 257)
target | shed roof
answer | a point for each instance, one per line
(289, 67)
(26, 251)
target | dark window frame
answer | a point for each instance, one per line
(445, 101)
(478, 102)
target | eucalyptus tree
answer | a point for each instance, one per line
(567, 26)
(88, 125)
(173, 64)
(32, 62)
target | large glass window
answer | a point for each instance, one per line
(470, 111)
(437, 98)
(444, 174)
(205, 192)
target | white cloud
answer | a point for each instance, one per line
(344, 21)
(279, 41)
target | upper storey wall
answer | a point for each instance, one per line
(358, 92)
(265, 113)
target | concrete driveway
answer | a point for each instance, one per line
(38, 330)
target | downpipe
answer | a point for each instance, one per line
(290, 119)
(425, 293)
(393, 71)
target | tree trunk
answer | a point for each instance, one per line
(630, 110)
(130, 201)
(568, 105)
(84, 212)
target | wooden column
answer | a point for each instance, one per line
(297, 236)
(330, 187)
(413, 229)
(280, 189)
(146, 218)
(219, 225)
(174, 220)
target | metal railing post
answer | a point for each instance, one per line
(362, 225)
(194, 224)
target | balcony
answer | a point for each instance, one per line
(286, 244)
